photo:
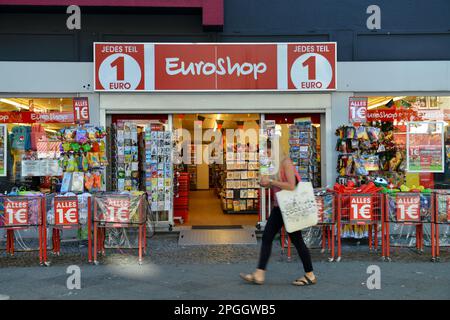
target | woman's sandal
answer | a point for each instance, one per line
(250, 278)
(304, 282)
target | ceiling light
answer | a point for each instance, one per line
(383, 103)
(15, 104)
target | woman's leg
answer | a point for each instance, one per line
(302, 249)
(273, 226)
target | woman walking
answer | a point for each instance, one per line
(284, 180)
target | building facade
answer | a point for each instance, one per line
(407, 54)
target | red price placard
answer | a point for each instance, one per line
(408, 208)
(320, 206)
(81, 110)
(66, 211)
(16, 212)
(357, 109)
(360, 209)
(312, 66)
(117, 210)
(119, 66)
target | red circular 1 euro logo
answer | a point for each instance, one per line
(119, 67)
(312, 66)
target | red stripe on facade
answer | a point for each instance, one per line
(212, 10)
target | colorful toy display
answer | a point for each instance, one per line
(83, 159)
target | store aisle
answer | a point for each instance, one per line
(205, 209)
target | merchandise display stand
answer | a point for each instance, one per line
(240, 194)
(158, 169)
(303, 150)
(23, 212)
(181, 197)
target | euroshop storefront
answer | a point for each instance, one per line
(206, 91)
(367, 79)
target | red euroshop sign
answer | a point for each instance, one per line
(408, 208)
(357, 107)
(16, 212)
(36, 117)
(203, 66)
(360, 209)
(81, 110)
(66, 211)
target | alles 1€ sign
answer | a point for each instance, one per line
(172, 67)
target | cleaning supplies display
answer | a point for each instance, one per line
(303, 150)
(158, 169)
(83, 159)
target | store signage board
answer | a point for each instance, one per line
(36, 117)
(425, 147)
(128, 67)
(408, 208)
(360, 209)
(357, 109)
(81, 110)
(394, 114)
(66, 211)
(16, 212)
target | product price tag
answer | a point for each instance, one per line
(16, 212)
(117, 210)
(66, 211)
(408, 208)
(360, 209)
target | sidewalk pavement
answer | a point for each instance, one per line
(345, 280)
(212, 272)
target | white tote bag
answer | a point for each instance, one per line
(298, 207)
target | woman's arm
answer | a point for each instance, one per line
(289, 171)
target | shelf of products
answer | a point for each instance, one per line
(158, 169)
(127, 157)
(192, 168)
(181, 196)
(240, 193)
(303, 151)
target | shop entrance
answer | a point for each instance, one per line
(223, 190)
(203, 170)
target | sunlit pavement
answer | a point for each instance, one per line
(170, 271)
(344, 280)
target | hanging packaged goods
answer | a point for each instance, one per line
(83, 159)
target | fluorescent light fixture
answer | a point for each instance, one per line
(383, 103)
(15, 104)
